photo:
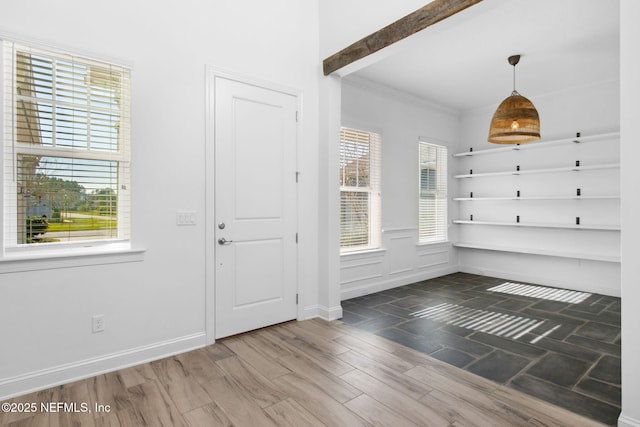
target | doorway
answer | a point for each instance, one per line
(252, 231)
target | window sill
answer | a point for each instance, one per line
(76, 257)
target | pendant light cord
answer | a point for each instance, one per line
(513, 60)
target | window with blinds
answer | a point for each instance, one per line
(66, 148)
(360, 208)
(432, 204)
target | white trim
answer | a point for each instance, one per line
(424, 255)
(434, 245)
(310, 312)
(367, 289)
(624, 421)
(62, 48)
(369, 85)
(361, 278)
(399, 229)
(344, 256)
(67, 373)
(67, 259)
(210, 247)
(300, 242)
(218, 72)
(314, 311)
(346, 122)
(540, 252)
(2, 162)
(329, 313)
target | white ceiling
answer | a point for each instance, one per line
(462, 62)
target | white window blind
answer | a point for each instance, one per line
(360, 226)
(66, 148)
(432, 215)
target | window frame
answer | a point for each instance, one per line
(373, 189)
(439, 193)
(15, 256)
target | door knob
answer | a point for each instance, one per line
(223, 241)
(221, 226)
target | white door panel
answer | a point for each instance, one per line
(270, 276)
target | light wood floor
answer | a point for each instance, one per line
(311, 373)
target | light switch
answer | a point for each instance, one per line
(185, 218)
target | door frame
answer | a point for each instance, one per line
(211, 74)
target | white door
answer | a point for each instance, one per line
(255, 207)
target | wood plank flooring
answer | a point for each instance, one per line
(311, 373)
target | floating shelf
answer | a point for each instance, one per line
(544, 252)
(548, 169)
(540, 144)
(541, 225)
(534, 171)
(479, 199)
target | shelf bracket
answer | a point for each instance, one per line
(577, 141)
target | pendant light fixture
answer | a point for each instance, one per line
(516, 120)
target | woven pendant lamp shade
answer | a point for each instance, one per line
(516, 120)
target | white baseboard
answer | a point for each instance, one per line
(370, 288)
(624, 421)
(332, 313)
(322, 312)
(63, 374)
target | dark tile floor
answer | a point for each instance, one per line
(560, 346)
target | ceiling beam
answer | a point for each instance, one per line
(422, 18)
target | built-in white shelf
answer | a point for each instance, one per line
(534, 171)
(479, 199)
(557, 165)
(540, 225)
(540, 144)
(530, 251)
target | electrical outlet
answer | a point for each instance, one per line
(97, 323)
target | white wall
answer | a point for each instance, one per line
(401, 120)
(156, 306)
(630, 152)
(588, 110)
